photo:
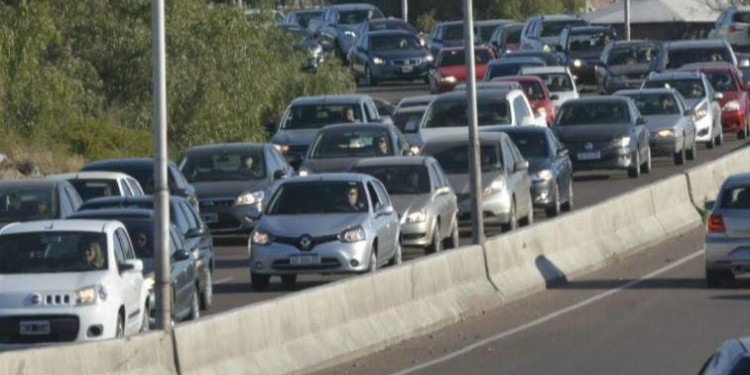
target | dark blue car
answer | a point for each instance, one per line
(389, 55)
(340, 23)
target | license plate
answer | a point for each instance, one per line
(304, 260)
(210, 218)
(36, 327)
(407, 69)
(593, 155)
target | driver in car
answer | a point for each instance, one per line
(353, 201)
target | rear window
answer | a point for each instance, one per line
(588, 113)
(689, 88)
(736, 198)
(722, 82)
(632, 55)
(679, 57)
(90, 189)
(454, 32)
(589, 40)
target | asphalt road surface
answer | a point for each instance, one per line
(649, 314)
(232, 280)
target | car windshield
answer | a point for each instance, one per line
(303, 18)
(393, 42)
(485, 32)
(95, 188)
(355, 17)
(632, 55)
(556, 82)
(736, 198)
(514, 35)
(319, 197)
(18, 204)
(338, 143)
(554, 28)
(401, 118)
(222, 165)
(679, 57)
(380, 26)
(454, 32)
(316, 116)
(509, 68)
(452, 113)
(455, 160)
(142, 235)
(589, 41)
(656, 104)
(689, 88)
(400, 179)
(722, 82)
(52, 252)
(590, 113)
(533, 90)
(533, 145)
(458, 57)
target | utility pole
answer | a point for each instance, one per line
(405, 10)
(161, 191)
(475, 177)
(627, 19)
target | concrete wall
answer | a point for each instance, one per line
(705, 180)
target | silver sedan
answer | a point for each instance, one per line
(422, 197)
(326, 223)
(728, 234)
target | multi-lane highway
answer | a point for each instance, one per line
(232, 283)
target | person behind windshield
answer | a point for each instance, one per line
(354, 204)
(403, 44)
(91, 253)
(370, 14)
(42, 211)
(716, 57)
(348, 115)
(559, 82)
(381, 145)
(605, 39)
(140, 242)
(697, 90)
(253, 168)
(667, 104)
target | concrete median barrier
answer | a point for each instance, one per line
(705, 180)
(333, 323)
(150, 354)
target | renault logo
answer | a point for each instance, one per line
(305, 242)
(36, 299)
(589, 146)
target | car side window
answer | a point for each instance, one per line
(180, 220)
(517, 157)
(127, 246)
(434, 177)
(125, 188)
(196, 216)
(376, 203)
(192, 223)
(382, 194)
(135, 186)
(521, 109)
(441, 175)
(280, 162)
(173, 243)
(119, 252)
(372, 111)
(65, 201)
(507, 156)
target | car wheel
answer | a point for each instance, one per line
(373, 261)
(437, 240)
(646, 167)
(120, 329)
(554, 210)
(146, 319)
(679, 157)
(288, 279)
(398, 257)
(568, 205)
(692, 154)
(742, 134)
(433, 86)
(635, 170)
(260, 282)
(720, 138)
(207, 297)
(513, 222)
(452, 241)
(529, 219)
(195, 310)
(717, 278)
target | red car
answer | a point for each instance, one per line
(735, 107)
(450, 68)
(537, 93)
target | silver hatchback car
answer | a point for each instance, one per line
(325, 223)
(728, 233)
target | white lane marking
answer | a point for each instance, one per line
(546, 318)
(222, 281)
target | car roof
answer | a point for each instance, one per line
(443, 141)
(462, 48)
(330, 99)
(522, 129)
(387, 20)
(461, 94)
(303, 11)
(131, 162)
(598, 99)
(130, 200)
(510, 60)
(67, 225)
(392, 160)
(498, 22)
(738, 179)
(354, 6)
(390, 33)
(560, 17)
(449, 23)
(713, 66)
(544, 70)
(90, 175)
(694, 43)
(357, 126)
(411, 109)
(358, 177)
(418, 98)
(674, 75)
(32, 183)
(114, 214)
(634, 42)
(589, 28)
(240, 146)
(745, 341)
(646, 91)
(525, 78)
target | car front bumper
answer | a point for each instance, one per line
(224, 218)
(610, 158)
(732, 121)
(335, 257)
(398, 72)
(728, 254)
(495, 208)
(663, 146)
(417, 234)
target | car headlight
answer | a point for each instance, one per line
(251, 197)
(281, 148)
(351, 235)
(497, 185)
(429, 58)
(449, 79)
(665, 133)
(261, 237)
(731, 106)
(541, 111)
(378, 60)
(701, 112)
(350, 34)
(547, 48)
(577, 63)
(90, 295)
(415, 150)
(304, 172)
(544, 175)
(621, 142)
(416, 217)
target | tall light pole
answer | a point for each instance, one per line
(161, 191)
(627, 19)
(475, 177)
(405, 10)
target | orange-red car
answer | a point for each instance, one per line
(450, 68)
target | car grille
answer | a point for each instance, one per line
(298, 150)
(314, 241)
(414, 61)
(218, 203)
(325, 263)
(225, 222)
(63, 328)
(413, 236)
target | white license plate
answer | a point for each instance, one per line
(407, 69)
(593, 155)
(210, 218)
(304, 260)
(35, 327)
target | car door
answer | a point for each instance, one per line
(514, 178)
(525, 185)
(181, 285)
(391, 220)
(379, 223)
(444, 201)
(205, 255)
(562, 163)
(131, 281)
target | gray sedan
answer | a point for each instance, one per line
(422, 197)
(728, 237)
(327, 223)
(506, 185)
(669, 120)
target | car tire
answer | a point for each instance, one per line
(437, 240)
(512, 224)
(711, 144)
(398, 258)
(569, 203)
(120, 328)
(635, 170)
(288, 279)
(260, 283)
(373, 261)
(555, 209)
(369, 79)
(145, 319)
(692, 154)
(647, 166)
(717, 278)
(207, 295)
(453, 240)
(195, 310)
(679, 157)
(529, 219)
(742, 134)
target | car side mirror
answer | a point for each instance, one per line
(718, 96)
(195, 232)
(411, 127)
(131, 265)
(563, 152)
(443, 190)
(279, 174)
(554, 97)
(640, 121)
(253, 214)
(521, 166)
(385, 211)
(181, 255)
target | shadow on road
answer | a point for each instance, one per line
(231, 263)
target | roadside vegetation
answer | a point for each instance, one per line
(75, 79)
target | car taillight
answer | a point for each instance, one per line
(716, 224)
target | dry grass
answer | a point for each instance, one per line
(35, 158)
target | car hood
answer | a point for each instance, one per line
(329, 165)
(460, 182)
(591, 133)
(401, 54)
(224, 189)
(313, 225)
(303, 137)
(406, 204)
(630, 70)
(658, 122)
(694, 102)
(460, 71)
(537, 164)
(25, 284)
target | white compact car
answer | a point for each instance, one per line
(92, 185)
(69, 280)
